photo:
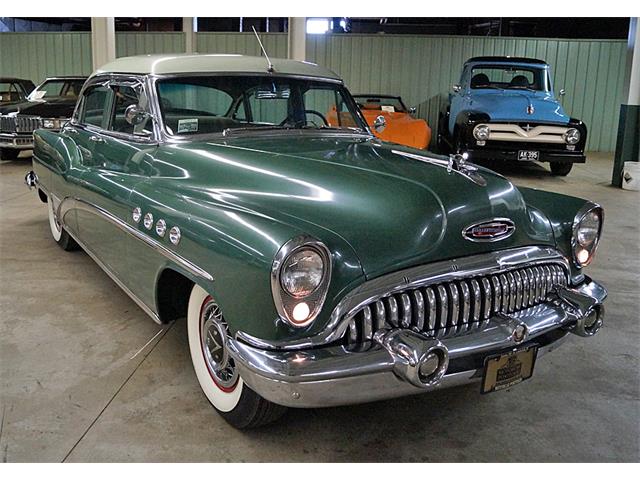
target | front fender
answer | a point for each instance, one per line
(464, 123)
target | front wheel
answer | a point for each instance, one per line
(9, 153)
(215, 369)
(59, 234)
(561, 168)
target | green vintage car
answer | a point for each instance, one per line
(315, 265)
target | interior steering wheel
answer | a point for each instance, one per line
(315, 112)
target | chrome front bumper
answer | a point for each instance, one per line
(20, 141)
(386, 367)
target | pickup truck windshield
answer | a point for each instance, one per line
(509, 77)
(218, 103)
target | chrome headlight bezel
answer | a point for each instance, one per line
(52, 123)
(285, 301)
(576, 247)
(482, 132)
(571, 136)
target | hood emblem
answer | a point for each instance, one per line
(489, 230)
(530, 109)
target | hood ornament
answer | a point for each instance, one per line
(455, 163)
(489, 230)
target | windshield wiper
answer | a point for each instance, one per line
(259, 128)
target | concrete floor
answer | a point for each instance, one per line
(73, 388)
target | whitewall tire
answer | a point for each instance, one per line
(215, 369)
(62, 238)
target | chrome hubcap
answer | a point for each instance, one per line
(213, 337)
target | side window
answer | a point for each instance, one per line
(94, 105)
(125, 96)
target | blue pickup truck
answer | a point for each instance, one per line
(504, 108)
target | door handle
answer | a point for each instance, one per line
(96, 139)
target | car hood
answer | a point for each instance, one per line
(507, 105)
(57, 107)
(393, 210)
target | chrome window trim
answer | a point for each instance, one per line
(415, 277)
(72, 203)
(110, 80)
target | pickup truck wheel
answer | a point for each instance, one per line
(215, 369)
(62, 238)
(9, 153)
(561, 168)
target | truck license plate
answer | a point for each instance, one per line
(528, 155)
(504, 371)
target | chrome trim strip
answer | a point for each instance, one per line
(412, 278)
(148, 310)
(71, 203)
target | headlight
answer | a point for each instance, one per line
(587, 227)
(302, 272)
(299, 280)
(571, 136)
(51, 123)
(481, 132)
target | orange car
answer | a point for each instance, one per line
(400, 127)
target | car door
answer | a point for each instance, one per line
(115, 157)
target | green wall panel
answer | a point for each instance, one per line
(39, 55)
(422, 69)
(242, 43)
(140, 43)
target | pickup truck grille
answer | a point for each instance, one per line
(19, 124)
(456, 307)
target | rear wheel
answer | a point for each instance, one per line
(58, 233)
(9, 153)
(215, 369)
(561, 168)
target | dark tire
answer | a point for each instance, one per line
(59, 234)
(252, 411)
(216, 370)
(561, 169)
(9, 153)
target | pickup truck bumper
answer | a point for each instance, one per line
(511, 154)
(390, 365)
(22, 141)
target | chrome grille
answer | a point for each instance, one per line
(459, 306)
(19, 124)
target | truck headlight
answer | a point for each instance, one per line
(300, 278)
(587, 227)
(481, 132)
(572, 136)
(51, 123)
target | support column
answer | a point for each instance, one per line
(103, 40)
(297, 37)
(628, 141)
(188, 28)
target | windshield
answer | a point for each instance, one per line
(58, 88)
(508, 77)
(215, 104)
(10, 92)
(383, 104)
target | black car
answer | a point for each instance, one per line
(49, 106)
(14, 89)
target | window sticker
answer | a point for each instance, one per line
(387, 108)
(187, 125)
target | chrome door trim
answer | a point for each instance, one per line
(148, 310)
(412, 278)
(71, 203)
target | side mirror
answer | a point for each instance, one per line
(413, 110)
(562, 92)
(379, 124)
(135, 116)
(457, 88)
